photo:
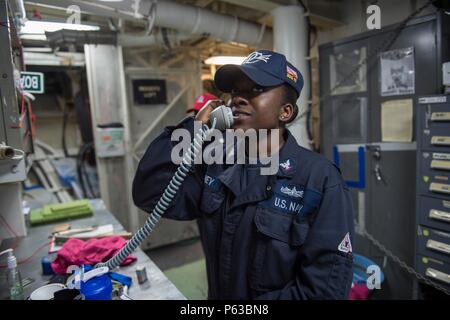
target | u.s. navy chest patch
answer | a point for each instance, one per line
(287, 198)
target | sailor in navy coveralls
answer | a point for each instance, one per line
(281, 236)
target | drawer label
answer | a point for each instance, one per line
(438, 99)
(441, 156)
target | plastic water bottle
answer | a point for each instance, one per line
(14, 278)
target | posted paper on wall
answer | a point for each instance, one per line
(397, 120)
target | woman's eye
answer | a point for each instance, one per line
(252, 91)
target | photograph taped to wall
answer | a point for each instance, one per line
(397, 72)
(348, 72)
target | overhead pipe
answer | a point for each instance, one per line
(200, 21)
(20, 15)
(19, 9)
(75, 37)
(100, 9)
(185, 18)
(140, 40)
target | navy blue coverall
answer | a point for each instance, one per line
(284, 236)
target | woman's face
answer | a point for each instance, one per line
(254, 106)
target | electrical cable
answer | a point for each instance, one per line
(13, 233)
(66, 92)
(26, 260)
(164, 201)
(22, 110)
(165, 38)
(83, 177)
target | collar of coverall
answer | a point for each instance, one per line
(287, 169)
(287, 164)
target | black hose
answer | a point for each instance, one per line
(64, 125)
(88, 149)
(85, 184)
(79, 173)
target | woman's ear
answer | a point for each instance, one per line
(286, 113)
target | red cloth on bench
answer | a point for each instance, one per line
(79, 252)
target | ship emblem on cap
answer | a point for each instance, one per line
(256, 56)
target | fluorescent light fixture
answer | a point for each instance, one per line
(207, 77)
(40, 27)
(221, 60)
(34, 37)
(38, 49)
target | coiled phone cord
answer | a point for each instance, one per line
(164, 201)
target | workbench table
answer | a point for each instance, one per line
(158, 287)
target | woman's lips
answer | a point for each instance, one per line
(238, 114)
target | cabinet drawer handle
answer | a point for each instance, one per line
(438, 275)
(440, 116)
(440, 164)
(438, 246)
(440, 140)
(440, 187)
(439, 215)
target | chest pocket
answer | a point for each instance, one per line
(278, 239)
(280, 235)
(213, 195)
(289, 229)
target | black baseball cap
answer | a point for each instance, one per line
(264, 67)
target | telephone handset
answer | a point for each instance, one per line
(223, 118)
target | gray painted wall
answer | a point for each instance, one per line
(353, 14)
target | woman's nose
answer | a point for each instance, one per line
(239, 100)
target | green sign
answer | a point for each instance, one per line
(32, 82)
